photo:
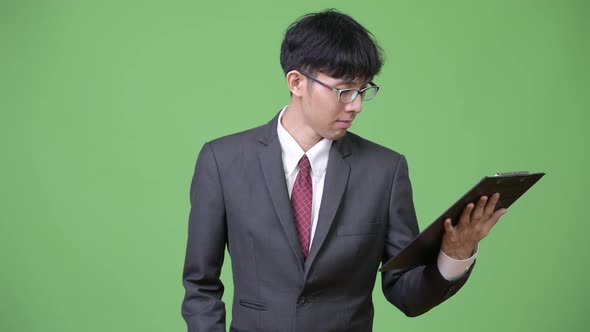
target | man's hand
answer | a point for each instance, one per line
(476, 221)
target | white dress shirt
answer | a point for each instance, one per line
(449, 268)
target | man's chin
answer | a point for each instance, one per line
(336, 135)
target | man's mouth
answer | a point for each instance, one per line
(344, 123)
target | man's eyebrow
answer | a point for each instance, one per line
(349, 82)
(352, 83)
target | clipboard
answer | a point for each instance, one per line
(426, 246)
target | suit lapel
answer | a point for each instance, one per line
(337, 174)
(274, 175)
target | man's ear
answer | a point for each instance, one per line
(296, 83)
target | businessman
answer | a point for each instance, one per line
(308, 210)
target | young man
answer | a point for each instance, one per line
(309, 210)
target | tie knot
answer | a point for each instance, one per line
(304, 165)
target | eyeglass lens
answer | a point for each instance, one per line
(349, 95)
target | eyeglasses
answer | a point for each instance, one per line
(346, 96)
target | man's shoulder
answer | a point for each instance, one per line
(241, 136)
(365, 148)
(240, 147)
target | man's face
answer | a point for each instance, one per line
(323, 113)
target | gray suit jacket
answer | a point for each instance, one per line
(239, 198)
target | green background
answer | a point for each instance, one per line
(105, 105)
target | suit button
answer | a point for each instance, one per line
(302, 300)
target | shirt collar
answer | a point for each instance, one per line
(292, 152)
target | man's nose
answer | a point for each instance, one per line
(355, 106)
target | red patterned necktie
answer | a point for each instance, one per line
(301, 198)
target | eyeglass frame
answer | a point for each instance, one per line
(340, 91)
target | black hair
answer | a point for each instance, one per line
(332, 43)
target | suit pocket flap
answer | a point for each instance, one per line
(253, 305)
(361, 228)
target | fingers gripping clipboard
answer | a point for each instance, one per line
(426, 246)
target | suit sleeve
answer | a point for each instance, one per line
(417, 290)
(202, 307)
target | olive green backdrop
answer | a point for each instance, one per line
(105, 105)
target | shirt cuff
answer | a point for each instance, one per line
(452, 269)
